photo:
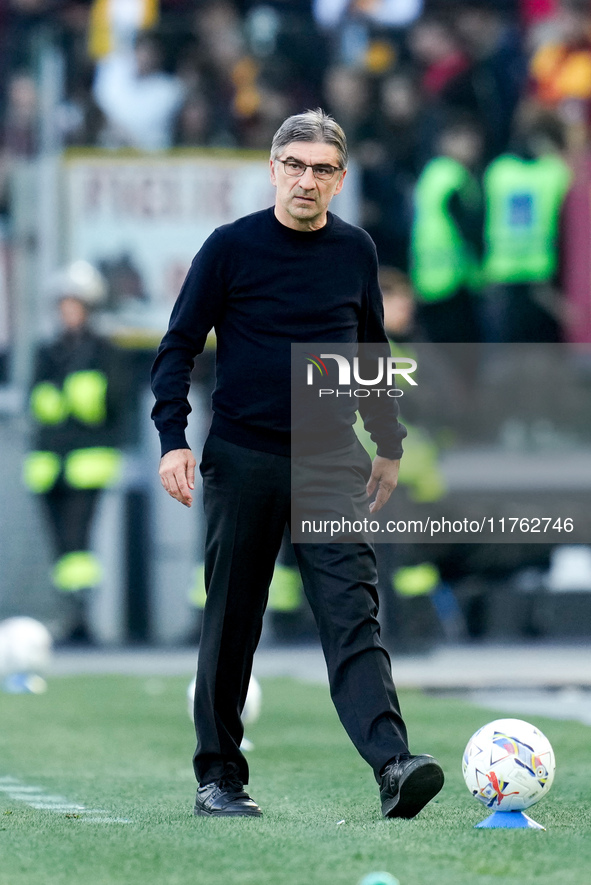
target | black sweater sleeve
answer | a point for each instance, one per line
(198, 309)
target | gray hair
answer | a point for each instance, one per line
(313, 126)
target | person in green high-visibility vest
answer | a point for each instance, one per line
(446, 237)
(525, 193)
(75, 409)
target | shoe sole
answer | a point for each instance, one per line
(415, 790)
(201, 812)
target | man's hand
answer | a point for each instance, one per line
(384, 478)
(177, 474)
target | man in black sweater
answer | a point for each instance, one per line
(291, 273)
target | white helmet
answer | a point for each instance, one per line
(81, 280)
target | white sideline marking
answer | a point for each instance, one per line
(22, 789)
(54, 806)
(36, 798)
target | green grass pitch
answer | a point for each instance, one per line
(124, 744)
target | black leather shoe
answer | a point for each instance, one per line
(408, 784)
(226, 798)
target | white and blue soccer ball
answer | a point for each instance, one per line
(25, 654)
(508, 765)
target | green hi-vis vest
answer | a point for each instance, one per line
(441, 262)
(523, 202)
(83, 396)
(98, 467)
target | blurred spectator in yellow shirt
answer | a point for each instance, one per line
(561, 69)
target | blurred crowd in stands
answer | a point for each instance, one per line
(409, 80)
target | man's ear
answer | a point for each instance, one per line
(272, 173)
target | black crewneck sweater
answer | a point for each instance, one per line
(263, 286)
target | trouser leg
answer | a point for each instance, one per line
(70, 513)
(529, 318)
(452, 319)
(76, 570)
(246, 502)
(340, 583)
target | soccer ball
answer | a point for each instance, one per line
(25, 646)
(252, 705)
(508, 765)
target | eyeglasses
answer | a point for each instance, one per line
(321, 171)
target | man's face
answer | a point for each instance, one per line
(73, 313)
(465, 146)
(301, 202)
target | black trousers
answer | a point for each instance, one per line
(70, 513)
(247, 505)
(516, 314)
(452, 320)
